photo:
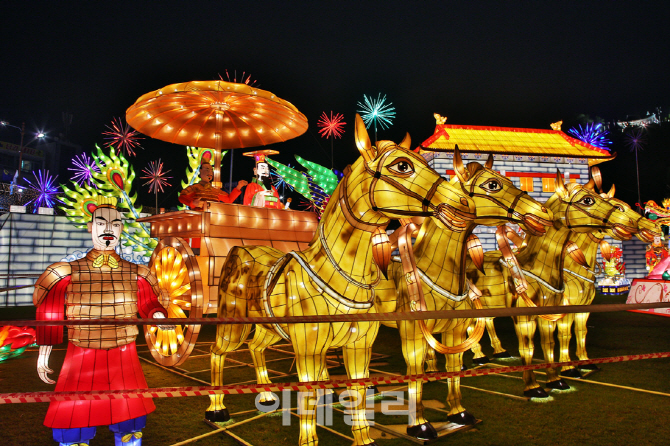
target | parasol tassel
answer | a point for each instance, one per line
(576, 254)
(381, 250)
(606, 250)
(476, 252)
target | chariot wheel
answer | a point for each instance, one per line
(176, 268)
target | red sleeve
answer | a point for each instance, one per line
(229, 198)
(147, 301)
(186, 199)
(52, 308)
(249, 193)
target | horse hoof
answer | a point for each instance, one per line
(424, 431)
(589, 367)
(464, 418)
(480, 361)
(328, 398)
(571, 373)
(537, 392)
(559, 384)
(502, 355)
(217, 416)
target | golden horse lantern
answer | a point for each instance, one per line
(535, 276)
(580, 286)
(439, 261)
(335, 275)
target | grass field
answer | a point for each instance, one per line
(591, 414)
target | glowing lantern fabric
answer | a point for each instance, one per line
(216, 114)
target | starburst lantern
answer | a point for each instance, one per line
(156, 178)
(331, 127)
(122, 137)
(83, 169)
(376, 111)
(594, 134)
(45, 189)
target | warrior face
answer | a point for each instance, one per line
(206, 172)
(262, 170)
(105, 228)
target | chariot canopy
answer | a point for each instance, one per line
(216, 114)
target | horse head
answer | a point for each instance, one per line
(389, 181)
(581, 209)
(496, 198)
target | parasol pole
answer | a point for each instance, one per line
(230, 178)
(218, 143)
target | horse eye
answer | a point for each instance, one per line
(491, 186)
(402, 167)
(588, 201)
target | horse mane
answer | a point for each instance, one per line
(474, 167)
(385, 145)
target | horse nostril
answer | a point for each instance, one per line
(464, 202)
(544, 209)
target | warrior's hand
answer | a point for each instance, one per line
(163, 327)
(241, 184)
(43, 369)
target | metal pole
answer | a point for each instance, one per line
(230, 178)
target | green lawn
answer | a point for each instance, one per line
(592, 414)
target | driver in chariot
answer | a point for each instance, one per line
(261, 192)
(194, 195)
(99, 357)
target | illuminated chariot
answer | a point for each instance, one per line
(193, 245)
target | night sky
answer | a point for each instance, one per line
(516, 64)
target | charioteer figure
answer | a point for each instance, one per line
(99, 357)
(194, 195)
(261, 192)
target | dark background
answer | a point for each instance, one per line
(511, 63)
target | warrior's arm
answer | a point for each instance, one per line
(49, 297)
(148, 294)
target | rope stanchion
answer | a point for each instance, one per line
(173, 392)
(417, 315)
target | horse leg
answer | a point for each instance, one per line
(564, 336)
(356, 357)
(525, 330)
(414, 349)
(498, 350)
(229, 337)
(480, 357)
(262, 340)
(547, 329)
(431, 361)
(451, 338)
(580, 338)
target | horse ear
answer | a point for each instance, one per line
(406, 143)
(597, 177)
(591, 185)
(560, 185)
(610, 194)
(363, 140)
(489, 161)
(461, 172)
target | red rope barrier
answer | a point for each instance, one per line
(172, 392)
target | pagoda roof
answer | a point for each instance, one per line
(512, 141)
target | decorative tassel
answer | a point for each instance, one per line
(606, 250)
(476, 252)
(576, 254)
(381, 250)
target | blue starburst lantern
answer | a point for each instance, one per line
(376, 111)
(45, 190)
(594, 134)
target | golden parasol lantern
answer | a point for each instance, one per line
(216, 114)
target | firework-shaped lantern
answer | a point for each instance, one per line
(331, 127)
(376, 111)
(122, 137)
(156, 178)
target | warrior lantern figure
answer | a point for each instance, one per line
(194, 195)
(261, 192)
(99, 357)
